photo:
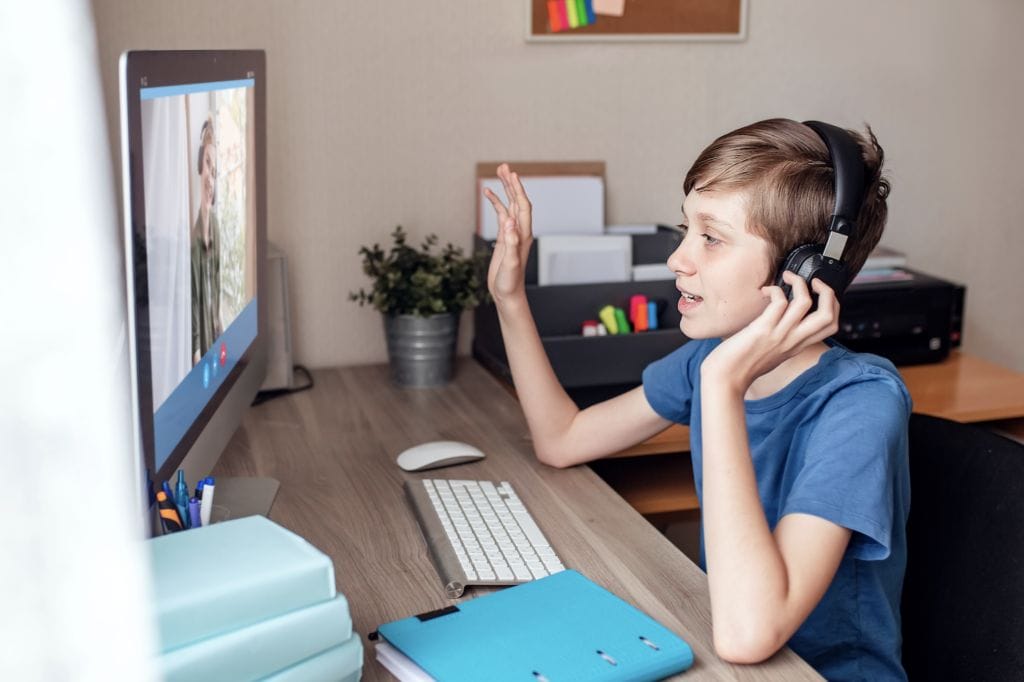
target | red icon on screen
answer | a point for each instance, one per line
(223, 354)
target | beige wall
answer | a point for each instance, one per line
(378, 112)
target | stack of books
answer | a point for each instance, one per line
(884, 264)
(248, 600)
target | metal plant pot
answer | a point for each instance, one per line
(421, 349)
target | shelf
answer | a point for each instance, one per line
(652, 485)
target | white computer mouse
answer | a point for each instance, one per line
(440, 453)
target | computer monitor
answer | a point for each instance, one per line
(193, 134)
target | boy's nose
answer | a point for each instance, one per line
(680, 260)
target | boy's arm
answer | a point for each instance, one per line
(563, 435)
(763, 585)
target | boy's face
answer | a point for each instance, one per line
(719, 263)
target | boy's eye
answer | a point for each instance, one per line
(709, 240)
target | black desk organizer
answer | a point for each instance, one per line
(591, 368)
(908, 322)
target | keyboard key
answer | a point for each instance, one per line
(491, 532)
(531, 529)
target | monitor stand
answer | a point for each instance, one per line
(238, 496)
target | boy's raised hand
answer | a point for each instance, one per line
(781, 331)
(506, 276)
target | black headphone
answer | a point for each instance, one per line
(825, 261)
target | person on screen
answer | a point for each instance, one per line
(206, 251)
(798, 445)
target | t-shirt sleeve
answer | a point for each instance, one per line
(854, 463)
(669, 382)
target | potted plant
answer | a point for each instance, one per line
(421, 295)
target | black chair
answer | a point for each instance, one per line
(963, 596)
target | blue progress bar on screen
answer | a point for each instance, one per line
(188, 88)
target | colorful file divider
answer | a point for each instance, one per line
(568, 14)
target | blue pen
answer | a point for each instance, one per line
(652, 315)
(181, 498)
(193, 512)
(199, 488)
(167, 489)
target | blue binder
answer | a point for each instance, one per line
(561, 627)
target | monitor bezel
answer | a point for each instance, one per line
(147, 69)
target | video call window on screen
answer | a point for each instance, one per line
(199, 188)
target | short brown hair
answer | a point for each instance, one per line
(783, 167)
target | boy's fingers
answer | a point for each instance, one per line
(824, 321)
(776, 306)
(499, 207)
(523, 206)
(503, 175)
(801, 303)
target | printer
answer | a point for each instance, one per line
(903, 315)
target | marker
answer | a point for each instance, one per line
(652, 315)
(199, 488)
(206, 507)
(638, 312)
(195, 516)
(181, 497)
(168, 513)
(167, 489)
(607, 315)
(620, 321)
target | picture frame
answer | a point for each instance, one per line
(648, 21)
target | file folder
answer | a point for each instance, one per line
(561, 627)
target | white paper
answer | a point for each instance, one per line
(584, 259)
(570, 204)
(400, 665)
(612, 8)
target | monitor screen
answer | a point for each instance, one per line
(192, 136)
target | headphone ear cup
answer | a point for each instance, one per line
(804, 260)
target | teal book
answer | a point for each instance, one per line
(212, 580)
(263, 648)
(343, 663)
(561, 627)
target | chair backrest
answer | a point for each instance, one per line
(963, 595)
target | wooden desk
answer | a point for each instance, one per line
(962, 388)
(333, 448)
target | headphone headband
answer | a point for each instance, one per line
(848, 166)
(825, 261)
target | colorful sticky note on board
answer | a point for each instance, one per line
(556, 14)
(563, 14)
(570, 8)
(611, 8)
(568, 14)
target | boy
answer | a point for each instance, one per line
(799, 446)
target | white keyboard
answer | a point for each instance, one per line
(479, 533)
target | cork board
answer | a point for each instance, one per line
(651, 20)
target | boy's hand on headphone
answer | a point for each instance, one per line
(780, 332)
(506, 276)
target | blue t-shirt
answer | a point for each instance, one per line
(833, 443)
